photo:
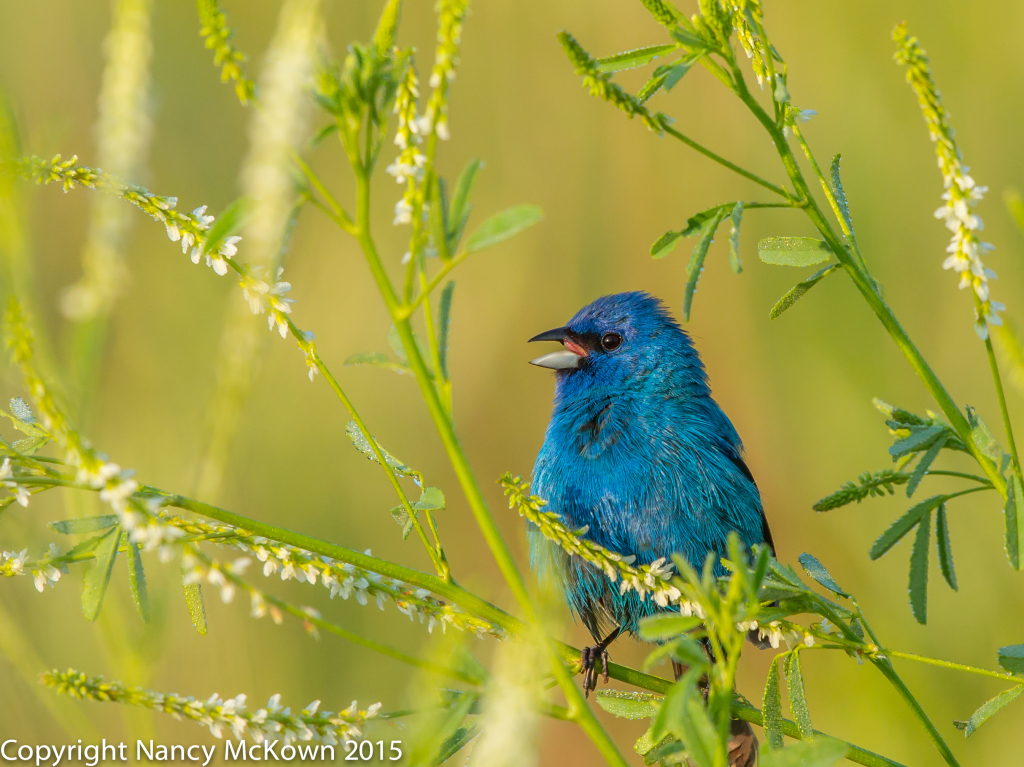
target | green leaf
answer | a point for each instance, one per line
(458, 212)
(21, 411)
(945, 547)
(24, 419)
(644, 743)
(137, 580)
(989, 709)
(629, 705)
(871, 484)
(903, 525)
(919, 570)
(817, 571)
(501, 226)
(1011, 658)
(81, 525)
(661, 626)
(689, 39)
(439, 213)
(695, 223)
(983, 437)
(387, 27)
(840, 194)
(683, 714)
(772, 708)
(1013, 514)
(403, 519)
(797, 697)
(700, 252)
(431, 498)
(323, 134)
(665, 244)
(363, 446)
(919, 439)
(651, 87)
(682, 649)
(736, 218)
(444, 321)
(924, 464)
(793, 251)
(87, 546)
(820, 752)
(31, 445)
(671, 74)
(377, 360)
(194, 602)
(98, 576)
(796, 292)
(230, 220)
(639, 57)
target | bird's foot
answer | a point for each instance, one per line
(589, 659)
(742, 744)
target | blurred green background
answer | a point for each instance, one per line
(798, 389)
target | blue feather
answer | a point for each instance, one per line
(638, 452)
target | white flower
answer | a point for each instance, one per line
(227, 247)
(403, 212)
(202, 221)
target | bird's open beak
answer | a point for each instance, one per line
(563, 360)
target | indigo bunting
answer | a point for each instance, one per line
(639, 454)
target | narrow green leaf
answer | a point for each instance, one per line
(797, 696)
(919, 439)
(639, 57)
(793, 251)
(983, 437)
(1013, 514)
(698, 732)
(97, 578)
(323, 134)
(644, 743)
(194, 602)
(21, 410)
(81, 525)
(903, 525)
(945, 547)
(387, 27)
(989, 709)
(682, 649)
(665, 244)
(671, 74)
(918, 587)
(673, 707)
(501, 226)
(840, 193)
(651, 87)
(458, 213)
(137, 580)
(31, 445)
(629, 705)
(662, 626)
(817, 571)
(230, 220)
(444, 321)
(796, 292)
(689, 39)
(439, 213)
(87, 546)
(772, 708)
(736, 218)
(924, 464)
(1011, 658)
(376, 360)
(363, 446)
(700, 252)
(820, 752)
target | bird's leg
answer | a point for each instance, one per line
(589, 657)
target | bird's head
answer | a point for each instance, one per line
(620, 340)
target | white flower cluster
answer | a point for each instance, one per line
(43, 571)
(451, 14)
(263, 297)
(962, 193)
(7, 481)
(410, 161)
(654, 579)
(272, 722)
(340, 578)
(776, 633)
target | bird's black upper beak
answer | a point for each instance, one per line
(563, 360)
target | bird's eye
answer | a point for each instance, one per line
(611, 341)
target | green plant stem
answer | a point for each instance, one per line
(865, 284)
(406, 311)
(1005, 677)
(961, 474)
(722, 161)
(1000, 394)
(437, 556)
(577, 704)
(339, 215)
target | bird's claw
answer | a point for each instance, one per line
(589, 659)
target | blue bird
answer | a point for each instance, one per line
(639, 453)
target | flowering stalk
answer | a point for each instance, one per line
(231, 716)
(218, 36)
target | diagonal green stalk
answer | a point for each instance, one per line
(1000, 394)
(865, 284)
